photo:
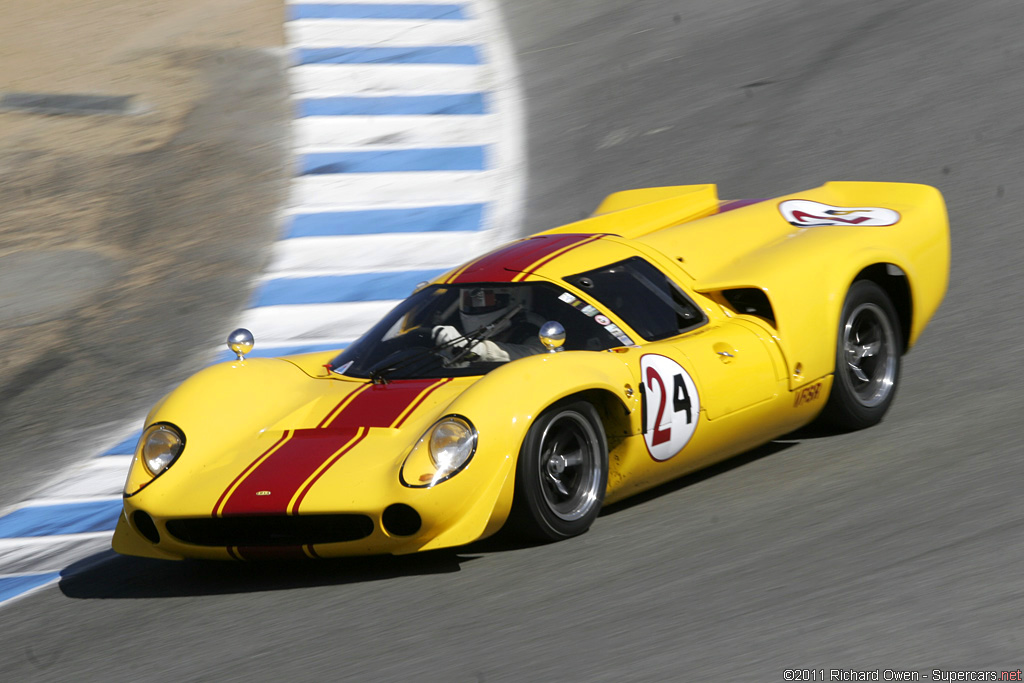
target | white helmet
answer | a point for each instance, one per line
(480, 306)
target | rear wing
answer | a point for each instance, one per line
(634, 213)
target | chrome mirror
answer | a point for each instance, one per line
(240, 342)
(552, 336)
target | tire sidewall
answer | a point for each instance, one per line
(844, 410)
(533, 517)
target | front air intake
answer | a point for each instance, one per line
(145, 526)
(271, 530)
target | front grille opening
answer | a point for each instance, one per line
(145, 526)
(271, 530)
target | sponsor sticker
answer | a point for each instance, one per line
(617, 332)
(599, 318)
(623, 339)
(804, 213)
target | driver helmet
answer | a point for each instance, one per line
(480, 306)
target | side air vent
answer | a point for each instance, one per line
(750, 301)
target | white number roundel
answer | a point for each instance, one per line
(671, 405)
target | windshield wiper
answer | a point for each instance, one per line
(380, 375)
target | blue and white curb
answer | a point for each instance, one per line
(409, 153)
(409, 160)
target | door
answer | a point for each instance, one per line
(717, 370)
(733, 366)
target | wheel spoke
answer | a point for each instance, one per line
(574, 458)
(857, 372)
(557, 484)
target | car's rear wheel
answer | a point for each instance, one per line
(868, 354)
(561, 474)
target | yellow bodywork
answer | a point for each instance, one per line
(756, 378)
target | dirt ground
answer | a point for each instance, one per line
(128, 244)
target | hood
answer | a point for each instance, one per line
(260, 434)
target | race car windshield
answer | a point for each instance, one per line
(470, 329)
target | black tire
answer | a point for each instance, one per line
(561, 474)
(868, 351)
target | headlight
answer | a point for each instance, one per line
(159, 446)
(441, 452)
(452, 441)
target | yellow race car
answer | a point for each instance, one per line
(554, 375)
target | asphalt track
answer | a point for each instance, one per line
(893, 548)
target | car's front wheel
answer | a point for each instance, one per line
(561, 474)
(867, 359)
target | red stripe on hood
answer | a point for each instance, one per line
(246, 471)
(380, 404)
(271, 486)
(420, 400)
(271, 482)
(328, 465)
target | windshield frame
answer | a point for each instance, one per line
(363, 359)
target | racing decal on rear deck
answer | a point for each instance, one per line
(671, 406)
(804, 213)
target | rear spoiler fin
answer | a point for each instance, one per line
(633, 213)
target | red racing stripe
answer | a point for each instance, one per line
(271, 486)
(507, 263)
(543, 262)
(246, 471)
(420, 400)
(380, 404)
(341, 405)
(326, 466)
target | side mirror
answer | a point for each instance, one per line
(552, 336)
(240, 342)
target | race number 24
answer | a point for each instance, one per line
(672, 406)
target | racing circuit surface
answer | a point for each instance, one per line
(892, 548)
